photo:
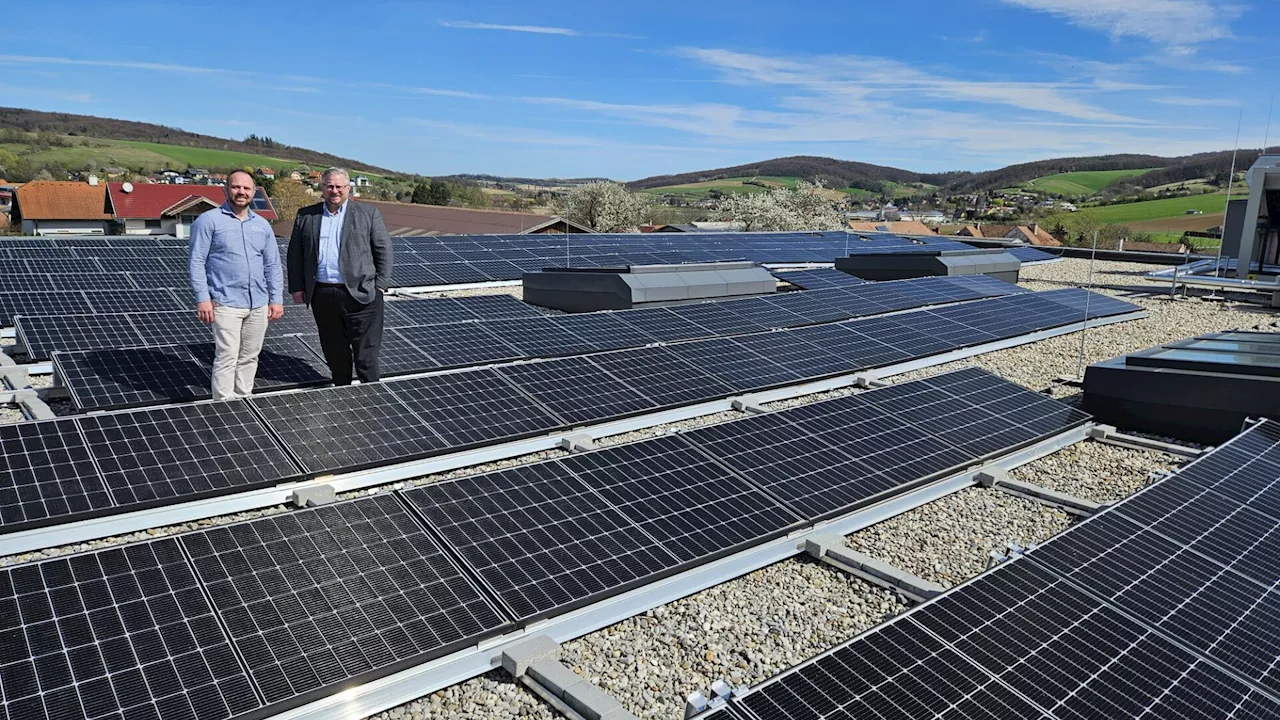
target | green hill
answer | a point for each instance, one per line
(1081, 183)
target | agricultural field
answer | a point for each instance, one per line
(1080, 183)
(728, 186)
(1165, 210)
(182, 156)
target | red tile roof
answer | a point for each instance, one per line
(148, 202)
(409, 219)
(56, 200)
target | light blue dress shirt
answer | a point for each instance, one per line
(328, 269)
(235, 262)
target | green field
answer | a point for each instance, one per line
(1159, 209)
(148, 156)
(1080, 183)
(728, 186)
(205, 158)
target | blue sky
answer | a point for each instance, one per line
(628, 90)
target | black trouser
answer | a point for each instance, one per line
(349, 331)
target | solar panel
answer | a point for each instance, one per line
(494, 307)
(812, 307)
(693, 506)
(1247, 470)
(819, 278)
(1212, 609)
(604, 330)
(128, 301)
(455, 345)
(70, 265)
(434, 311)
(117, 378)
(576, 389)
(172, 328)
(540, 538)
(1066, 651)
(715, 319)
(42, 303)
(137, 265)
(414, 275)
(119, 633)
(347, 428)
(899, 332)
(897, 672)
(43, 282)
(661, 323)
(734, 364)
(1240, 537)
(662, 376)
(540, 336)
(173, 280)
(40, 335)
(791, 351)
(46, 473)
(183, 451)
(1030, 255)
(320, 596)
(473, 407)
(459, 273)
(769, 312)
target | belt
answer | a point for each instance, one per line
(324, 284)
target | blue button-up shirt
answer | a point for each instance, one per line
(235, 262)
(328, 270)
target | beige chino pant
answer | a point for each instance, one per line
(237, 339)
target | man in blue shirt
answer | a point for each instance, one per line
(238, 283)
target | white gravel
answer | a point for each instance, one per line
(949, 541)
(744, 630)
(492, 696)
(1095, 471)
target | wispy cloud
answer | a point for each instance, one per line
(535, 29)
(847, 79)
(1183, 101)
(120, 64)
(1177, 24)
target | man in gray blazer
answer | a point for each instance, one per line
(340, 263)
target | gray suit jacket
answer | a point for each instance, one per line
(364, 256)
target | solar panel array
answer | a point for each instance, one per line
(101, 379)
(1162, 606)
(41, 335)
(465, 259)
(819, 278)
(330, 430)
(266, 614)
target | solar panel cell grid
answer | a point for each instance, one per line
(116, 378)
(129, 301)
(347, 590)
(42, 303)
(541, 538)
(667, 487)
(42, 335)
(662, 324)
(183, 451)
(541, 336)
(347, 428)
(473, 407)
(455, 345)
(734, 364)
(661, 375)
(46, 473)
(576, 389)
(121, 633)
(434, 311)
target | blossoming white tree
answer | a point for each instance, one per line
(605, 207)
(801, 208)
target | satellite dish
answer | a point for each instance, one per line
(127, 187)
